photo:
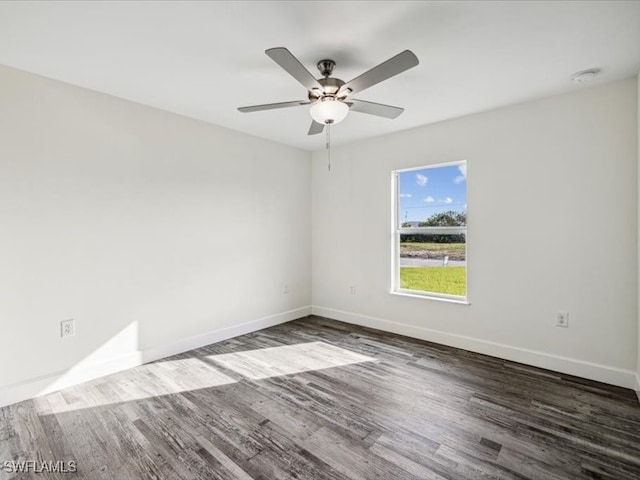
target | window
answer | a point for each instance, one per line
(430, 231)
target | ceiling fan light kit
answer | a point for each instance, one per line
(330, 97)
(329, 111)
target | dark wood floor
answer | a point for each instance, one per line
(319, 399)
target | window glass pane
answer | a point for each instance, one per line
(433, 263)
(433, 197)
(424, 194)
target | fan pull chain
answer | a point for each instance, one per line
(329, 146)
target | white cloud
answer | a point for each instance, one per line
(446, 200)
(463, 174)
(421, 180)
(405, 195)
(429, 199)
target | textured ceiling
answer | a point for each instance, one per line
(205, 59)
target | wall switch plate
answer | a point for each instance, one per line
(285, 289)
(562, 319)
(352, 289)
(67, 328)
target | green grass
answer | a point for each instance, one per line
(448, 280)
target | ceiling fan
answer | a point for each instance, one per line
(329, 97)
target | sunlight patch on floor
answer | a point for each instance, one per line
(168, 377)
(287, 359)
(146, 381)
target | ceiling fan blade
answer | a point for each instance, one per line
(395, 65)
(378, 109)
(271, 106)
(292, 65)
(315, 128)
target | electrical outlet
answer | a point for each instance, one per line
(352, 289)
(285, 289)
(562, 319)
(67, 328)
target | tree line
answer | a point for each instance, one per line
(443, 219)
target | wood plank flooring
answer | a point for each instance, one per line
(319, 399)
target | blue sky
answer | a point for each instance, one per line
(432, 190)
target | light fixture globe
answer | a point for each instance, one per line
(328, 110)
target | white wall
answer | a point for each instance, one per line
(145, 227)
(552, 226)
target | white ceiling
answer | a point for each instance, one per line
(205, 59)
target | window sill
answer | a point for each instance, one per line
(461, 301)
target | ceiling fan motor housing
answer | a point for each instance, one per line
(330, 87)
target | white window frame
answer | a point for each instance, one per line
(397, 230)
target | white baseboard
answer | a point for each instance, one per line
(186, 344)
(58, 380)
(62, 379)
(637, 388)
(571, 366)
